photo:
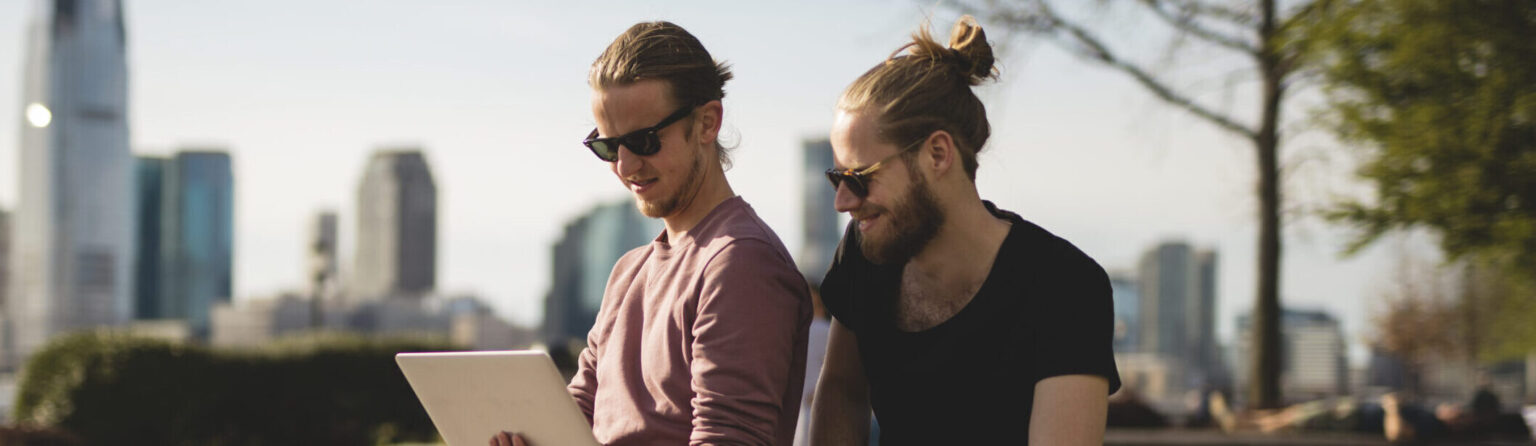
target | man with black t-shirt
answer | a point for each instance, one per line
(955, 321)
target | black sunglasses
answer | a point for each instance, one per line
(858, 179)
(643, 142)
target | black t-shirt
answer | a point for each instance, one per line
(1044, 310)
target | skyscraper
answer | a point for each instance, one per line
(74, 223)
(396, 227)
(818, 219)
(5, 283)
(583, 258)
(321, 257)
(5, 256)
(1178, 309)
(196, 236)
(320, 252)
(149, 175)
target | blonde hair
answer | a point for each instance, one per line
(929, 89)
(663, 51)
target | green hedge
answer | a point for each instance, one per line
(116, 389)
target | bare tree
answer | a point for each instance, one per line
(1255, 29)
(1420, 322)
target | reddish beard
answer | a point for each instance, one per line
(912, 222)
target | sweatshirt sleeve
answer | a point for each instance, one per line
(583, 386)
(751, 307)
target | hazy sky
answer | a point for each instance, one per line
(300, 92)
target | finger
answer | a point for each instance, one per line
(517, 440)
(502, 439)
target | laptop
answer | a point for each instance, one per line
(472, 396)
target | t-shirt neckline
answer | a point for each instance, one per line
(981, 298)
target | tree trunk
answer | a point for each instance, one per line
(1264, 388)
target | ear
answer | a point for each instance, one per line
(706, 121)
(939, 153)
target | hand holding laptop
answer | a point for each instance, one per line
(471, 396)
(505, 438)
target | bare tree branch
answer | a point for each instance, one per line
(1040, 19)
(1184, 21)
(1196, 8)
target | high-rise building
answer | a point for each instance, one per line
(5, 260)
(149, 176)
(185, 221)
(1313, 360)
(74, 223)
(396, 227)
(1178, 310)
(5, 283)
(196, 236)
(320, 251)
(321, 256)
(583, 258)
(1127, 300)
(818, 219)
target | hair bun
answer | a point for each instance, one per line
(974, 54)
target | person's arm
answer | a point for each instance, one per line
(1069, 410)
(583, 386)
(1074, 362)
(840, 413)
(752, 308)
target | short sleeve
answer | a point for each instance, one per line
(1075, 319)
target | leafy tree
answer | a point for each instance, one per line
(1259, 31)
(1439, 97)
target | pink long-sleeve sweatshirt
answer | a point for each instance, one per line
(700, 340)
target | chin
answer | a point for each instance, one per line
(655, 209)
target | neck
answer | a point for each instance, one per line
(713, 191)
(965, 246)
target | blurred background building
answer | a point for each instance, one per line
(818, 218)
(1123, 288)
(73, 250)
(396, 227)
(321, 257)
(1165, 326)
(149, 179)
(186, 237)
(5, 279)
(583, 258)
(1312, 356)
(393, 289)
(1178, 291)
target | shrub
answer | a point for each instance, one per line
(115, 389)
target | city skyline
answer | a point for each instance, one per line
(500, 107)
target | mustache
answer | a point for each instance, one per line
(866, 211)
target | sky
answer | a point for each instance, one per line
(300, 92)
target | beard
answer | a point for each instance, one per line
(914, 221)
(681, 198)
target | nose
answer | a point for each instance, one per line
(628, 163)
(845, 200)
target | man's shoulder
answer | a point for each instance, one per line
(738, 228)
(1031, 246)
(634, 256)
